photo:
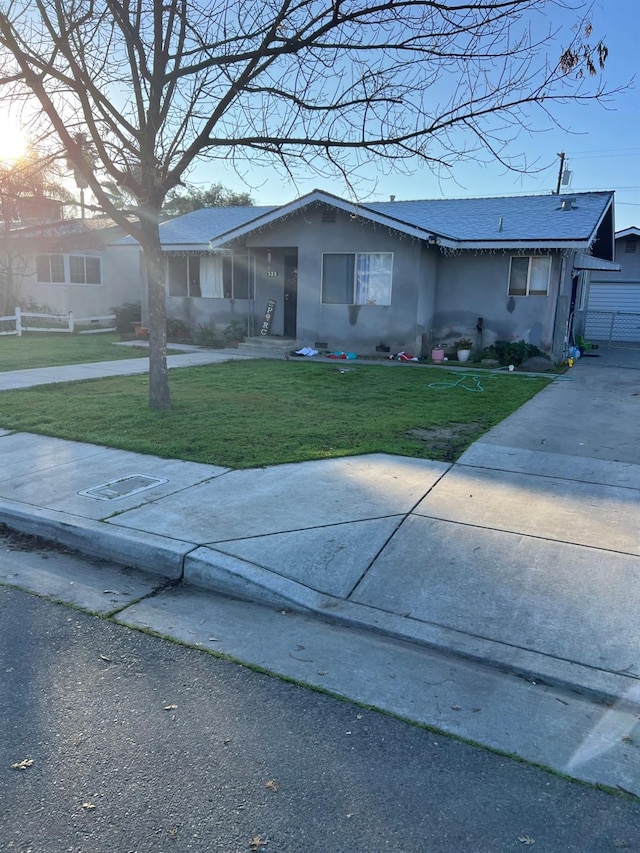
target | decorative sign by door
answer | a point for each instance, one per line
(268, 317)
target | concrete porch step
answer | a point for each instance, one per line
(267, 347)
(270, 341)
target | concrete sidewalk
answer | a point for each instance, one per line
(524, 555)
(14, 379)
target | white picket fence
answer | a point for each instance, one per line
(23, 322)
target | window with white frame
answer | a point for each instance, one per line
(183, 274)
(529, 276)
(85, 269)
(69, 269)
(358, 278)
(50, 269)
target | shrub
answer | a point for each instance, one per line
(206, 336)
(235, 331)
(130, 312)
(28, 303)
(177, 330)
(511, 352)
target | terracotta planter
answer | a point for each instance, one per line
(140, 331)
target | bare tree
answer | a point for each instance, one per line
(324, 84)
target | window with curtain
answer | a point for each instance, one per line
(211, 276)
(360, 278)
(529, 276)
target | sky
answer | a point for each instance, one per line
(602, 145)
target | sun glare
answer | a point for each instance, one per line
(13, 142)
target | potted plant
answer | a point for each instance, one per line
(463, 347)
(437, 352)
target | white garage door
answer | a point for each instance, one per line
(624, 324)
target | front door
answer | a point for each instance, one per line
(290, 295)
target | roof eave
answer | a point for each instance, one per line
(632, 231)
(506, 245)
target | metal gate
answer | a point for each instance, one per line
(615, 336)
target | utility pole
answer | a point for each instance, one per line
(561, 155)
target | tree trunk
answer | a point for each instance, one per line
(159, 394)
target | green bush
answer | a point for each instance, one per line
(511, 352)
(235, 331)
(130, 312)
(206, 336)
(177, 330)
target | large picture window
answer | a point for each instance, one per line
(183, 272)
(50, 269)
(360, 278)
(529, 276)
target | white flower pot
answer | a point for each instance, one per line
(463, 354)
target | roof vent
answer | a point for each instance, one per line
(567, 204)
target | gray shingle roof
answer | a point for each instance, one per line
(508, 220)
(200, 226)
(515, 218)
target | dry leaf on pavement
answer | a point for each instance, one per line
(526, 839)
(257, 843)
(271, 784)
(22, 765)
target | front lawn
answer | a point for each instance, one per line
(244, 414)
(43, 349)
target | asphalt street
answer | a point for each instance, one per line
(142, 745)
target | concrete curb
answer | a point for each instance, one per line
(215, 571)
(156, 554)
(218, 572)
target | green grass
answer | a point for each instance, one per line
(246, 414)
(41, 349)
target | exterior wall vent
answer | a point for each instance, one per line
(329, 214)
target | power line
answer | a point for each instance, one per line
(605, 152)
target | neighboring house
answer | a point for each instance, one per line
(399, 274)
(617, 293)
(69, 265)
